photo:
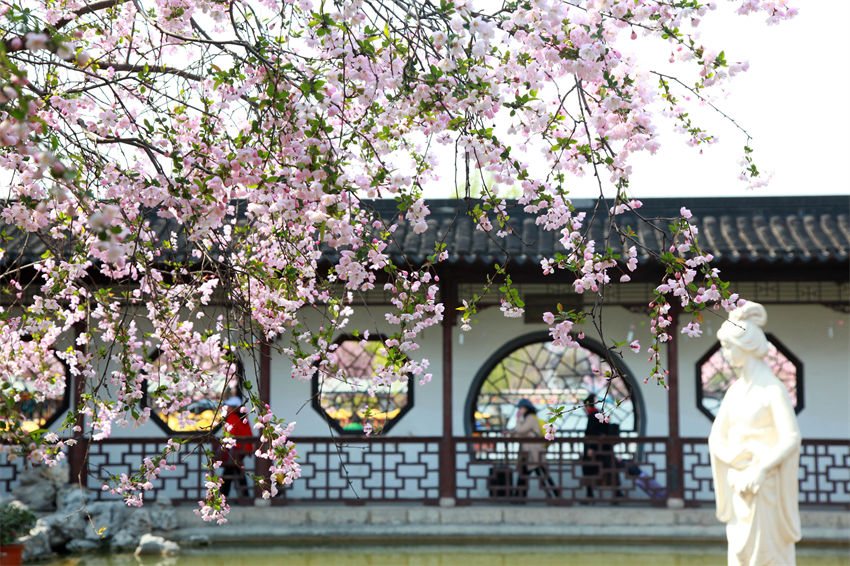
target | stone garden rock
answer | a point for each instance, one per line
(137, 524)
(63, 527)
(110, 515)
(80, 546)
(71, 499)
(139, 520)
(37, 490)
(80, 526)
(152, 545)
(57, 475)
(125, 541)
(197, 540)
(163, 516)
(37, 543)
(38, 497)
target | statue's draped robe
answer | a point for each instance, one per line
(757, 418)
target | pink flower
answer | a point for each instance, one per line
(692, 329)
(35, 41)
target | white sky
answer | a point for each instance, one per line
(794, 100)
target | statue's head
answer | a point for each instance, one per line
(744, 331)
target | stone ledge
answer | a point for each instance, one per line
(480, 534)
(494, 524)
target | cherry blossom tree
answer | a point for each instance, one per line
(258, 131)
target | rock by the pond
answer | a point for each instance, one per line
(157, 546)
(71, 499)
(197, 540)
(163, 516)
(63, 527)
(137, 524)
(140, 520)
(57, 474)
(36, 497)
(125, 541)
(37, 543)
(105, 518)
(82, 545)
(37, 489)
(80, 526)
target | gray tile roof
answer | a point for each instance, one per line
(756, 231)
(759, 231)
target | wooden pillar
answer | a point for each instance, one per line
(78, 453)
(263, 466)
(447, 447)
(675, 471)
(265, 383)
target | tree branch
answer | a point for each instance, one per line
(89, 9)
(163, 69)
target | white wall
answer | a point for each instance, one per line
(803, 329)
(491, 330)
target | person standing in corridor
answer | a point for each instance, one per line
(233, 459)
(531, 457)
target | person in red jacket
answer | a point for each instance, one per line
(233, 459)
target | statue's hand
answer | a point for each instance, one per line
(750, 481)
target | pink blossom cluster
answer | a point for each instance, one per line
(690, 286)
(549, 431)
(560, 330)
(133, 487)
(214, 506)
(279, 450)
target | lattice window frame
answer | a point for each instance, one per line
(639, 408)
(65, 401)
(334, 423)
(799, 387)
(145, 402)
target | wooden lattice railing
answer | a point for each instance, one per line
(394, 469)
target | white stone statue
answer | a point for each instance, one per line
(755, 450)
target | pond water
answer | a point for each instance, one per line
(441, 555)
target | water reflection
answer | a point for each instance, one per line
(257, 554)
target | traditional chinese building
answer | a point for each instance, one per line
(445, 440)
